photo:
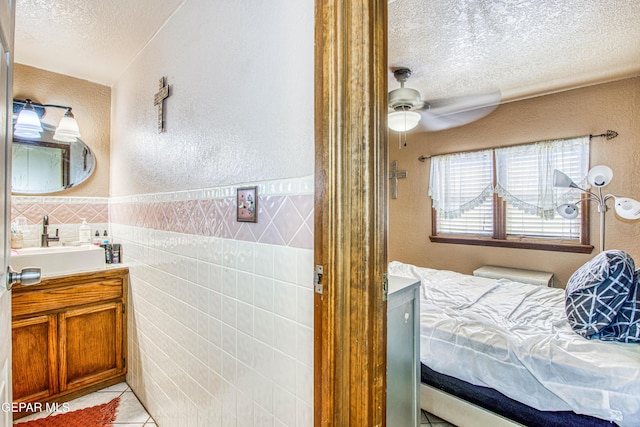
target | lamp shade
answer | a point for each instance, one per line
(27, 134)
(67, 130)
(402, 121)
(28, 123)
(568, 211)
(561, 179)
(600, 175)
(627, 208)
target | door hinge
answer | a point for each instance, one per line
(124, 362)
(385, 286)
(317, 280)
(124, 310)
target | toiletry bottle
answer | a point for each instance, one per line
(105, 238)
(97, 240)
(108, 253)
(115, 255)
(84, 233)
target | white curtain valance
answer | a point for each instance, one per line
(524, 177)
(524, 174)
(460, 182)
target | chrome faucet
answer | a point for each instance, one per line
(45, 238)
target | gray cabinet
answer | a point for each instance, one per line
(403, 358)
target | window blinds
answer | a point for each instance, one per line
(461, 188)
(525, 182)
(462, 185)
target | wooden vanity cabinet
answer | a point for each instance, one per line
(90, 345)
(35, 360)
(69, 335)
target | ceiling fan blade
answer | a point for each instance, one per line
(448, 113)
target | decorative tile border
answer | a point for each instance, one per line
(291, 186)
(61, 210)
(282, 220)
(285, 212)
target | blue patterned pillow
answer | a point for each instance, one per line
(597, 291)
(626, 326)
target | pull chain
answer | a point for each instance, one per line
(403, 133)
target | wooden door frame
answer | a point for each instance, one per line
(7, 23)
(350, 212)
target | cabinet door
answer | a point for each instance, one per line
(91, 345)
(35, 368)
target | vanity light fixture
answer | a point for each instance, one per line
(598, 176)
(28, 124)
(67, 130)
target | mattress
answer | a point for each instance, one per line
(515, 338)
(499, 404)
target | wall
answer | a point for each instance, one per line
(91, 103)
(65, 215)
(241, 104)
(589, 110)
(221, 313)
(221, 319)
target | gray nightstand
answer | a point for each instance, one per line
(403, 356)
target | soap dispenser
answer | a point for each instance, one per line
(84, 233)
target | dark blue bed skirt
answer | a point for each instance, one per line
(498, 403)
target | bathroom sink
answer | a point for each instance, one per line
(58, 260)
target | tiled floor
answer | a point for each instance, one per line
(130, 412)
(433, 421)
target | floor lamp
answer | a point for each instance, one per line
(598, 177)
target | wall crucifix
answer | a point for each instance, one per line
(158, 100)
(394, 175)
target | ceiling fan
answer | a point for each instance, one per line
(409, 109)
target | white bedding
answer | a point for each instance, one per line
(515, 338)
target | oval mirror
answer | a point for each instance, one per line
(44, 165)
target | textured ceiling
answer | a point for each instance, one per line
(523, 48)
(93, 40)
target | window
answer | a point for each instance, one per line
(505, 196)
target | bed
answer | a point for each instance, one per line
(507, 348)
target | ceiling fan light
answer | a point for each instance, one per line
(402, 121)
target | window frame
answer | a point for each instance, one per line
(499, 237)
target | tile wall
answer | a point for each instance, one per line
(65, 215)
(220, 318)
